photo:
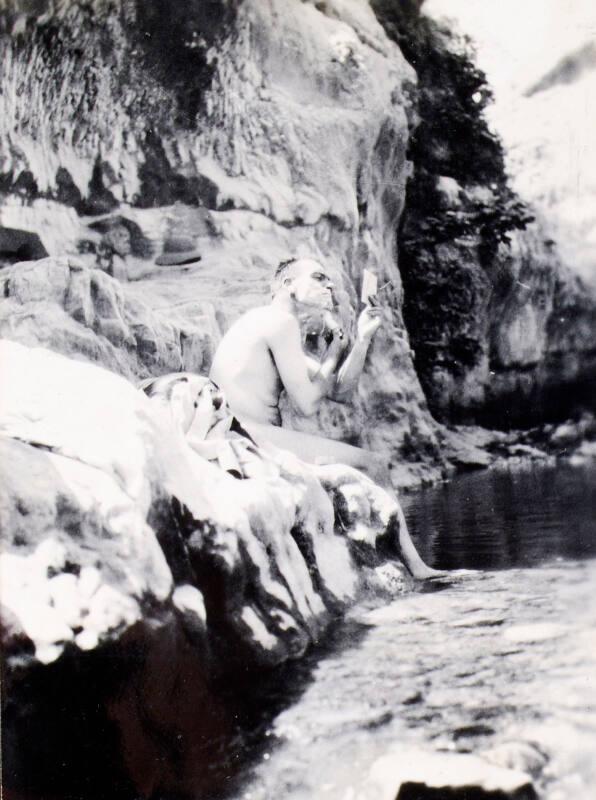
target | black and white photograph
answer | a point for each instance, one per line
(298, 399)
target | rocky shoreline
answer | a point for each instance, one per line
(125, 548)
(149, 582)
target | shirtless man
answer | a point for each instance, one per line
(262, 354)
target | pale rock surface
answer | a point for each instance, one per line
(552, 124)
(121, 512)
(518, 755)
(61, 304)
(141, 576)
(412, 774)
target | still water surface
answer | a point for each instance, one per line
(504, 653)
(509, 518)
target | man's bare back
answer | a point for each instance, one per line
(262, 353)
(244, 368)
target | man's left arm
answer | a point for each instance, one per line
(349, 373)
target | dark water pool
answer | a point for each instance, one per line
(507, 518)
(503, 653)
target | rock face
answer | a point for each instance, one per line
(253, 131)
(290, 139)
(565, 193)
(410, 774)
(489, 304)
(121, 545)
(81, 312)
(506, 343)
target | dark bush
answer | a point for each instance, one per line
(447, 249)
(453, 138)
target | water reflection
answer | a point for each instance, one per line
(508, 518)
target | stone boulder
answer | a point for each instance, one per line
(109, 464)
(121, 544)
(61, 304)
(410, 774)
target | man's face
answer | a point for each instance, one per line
(311, 284)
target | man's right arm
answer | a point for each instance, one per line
(284, 341)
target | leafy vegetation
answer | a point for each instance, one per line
(449, 240)
(453, 138)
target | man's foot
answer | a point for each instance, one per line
(428, 573)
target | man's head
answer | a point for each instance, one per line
(306, 281)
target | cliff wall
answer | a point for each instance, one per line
(490, 302)
(254, 130)
(246, 132)
(159, 590)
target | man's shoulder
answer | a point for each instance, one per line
(272, 318)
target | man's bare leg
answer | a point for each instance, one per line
(318, 450)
